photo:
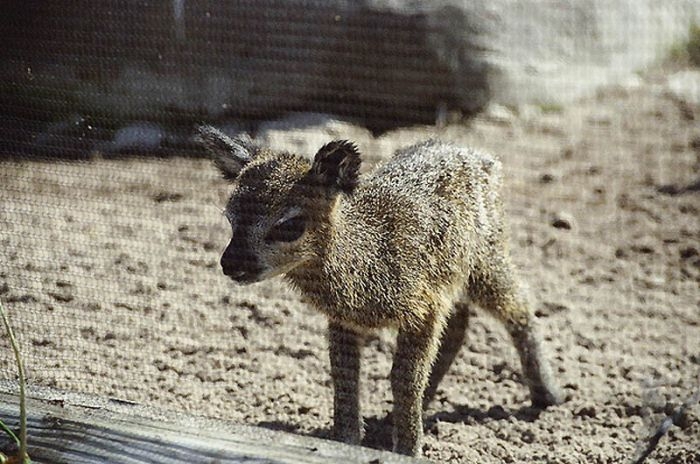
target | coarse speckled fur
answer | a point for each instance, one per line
(409, 246)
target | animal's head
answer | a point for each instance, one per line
(280, 204)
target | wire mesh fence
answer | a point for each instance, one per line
(112, 224)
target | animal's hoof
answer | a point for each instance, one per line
(407, 450)
(351, 437)
(546, 397)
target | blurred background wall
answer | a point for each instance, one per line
(89, 68)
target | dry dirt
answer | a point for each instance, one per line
(110, 270)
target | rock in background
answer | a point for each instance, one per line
(385, 63)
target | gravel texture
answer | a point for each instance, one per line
(110, 271)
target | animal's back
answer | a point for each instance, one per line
(441, 181)
(437, 168)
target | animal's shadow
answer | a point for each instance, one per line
(294, 428)
(378, 430)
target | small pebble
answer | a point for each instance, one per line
(546, 178)
(688, 252)
(499, 114)
(695, 143)
(643, 248)
(562, 221)
(528, 436)
(586, 411)
(140, 136)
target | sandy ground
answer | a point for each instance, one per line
(110, 270)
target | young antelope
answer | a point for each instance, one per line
(410, 246)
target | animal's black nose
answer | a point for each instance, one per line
(239, 265)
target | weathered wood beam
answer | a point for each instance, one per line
(74, 428)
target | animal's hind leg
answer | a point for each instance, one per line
(498, 293)
(452, 340)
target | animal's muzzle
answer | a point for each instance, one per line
(240, 265)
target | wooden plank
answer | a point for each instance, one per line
(74, 428)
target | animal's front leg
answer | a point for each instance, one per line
(344, 344)
(416, 349)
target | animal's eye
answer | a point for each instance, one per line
(288, 231)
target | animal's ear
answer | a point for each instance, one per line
(230, 154)
(336, 165)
